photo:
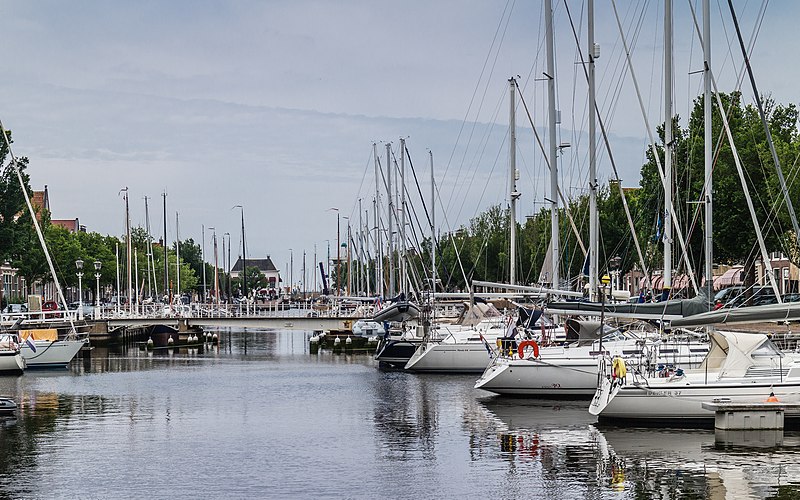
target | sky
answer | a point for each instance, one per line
(276, 105)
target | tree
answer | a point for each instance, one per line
(734, 237)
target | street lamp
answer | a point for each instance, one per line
(79, 266)
(97, 266)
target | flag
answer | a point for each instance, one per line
(30, 342)
(486, 345)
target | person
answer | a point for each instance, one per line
(772, 398)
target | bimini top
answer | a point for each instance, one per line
(732, 353)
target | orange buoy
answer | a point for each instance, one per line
(528, 343)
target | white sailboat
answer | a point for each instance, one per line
(461, 347)
(571, 369)
(11, 361)
(41, 348)
(739, 368)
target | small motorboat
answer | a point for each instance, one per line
(7, 406)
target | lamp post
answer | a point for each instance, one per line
(79, 266)
(97, 266)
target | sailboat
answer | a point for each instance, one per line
(11, 361)
(50, 351)
(570, 369)
(739, 368)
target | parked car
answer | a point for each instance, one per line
(16, 308)
(761, 295)
(791, 297)
(726, 295)
(50, 305)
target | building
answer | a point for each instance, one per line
(266, 266)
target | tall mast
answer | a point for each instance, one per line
(360, 252)
(149, 247)
(402, 187)
(512, 179)
(709, 250)
(129, 256)
(244, 263)
(390, 237)
(216, 269)
(378, 247)
(203, 257)
(594, 237)
(166, 252)
(223, 264)
(551, 99)
(116, 258)
(178, 256)
(667, 144)
(433, 229)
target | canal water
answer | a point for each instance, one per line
(261, 417)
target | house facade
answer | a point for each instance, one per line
(267, 268)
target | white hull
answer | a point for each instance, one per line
(11, 362)
(49, 354)
(564, 371)
(469, 357)
(682, 402)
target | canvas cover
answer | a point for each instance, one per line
(731, 352)
(50, 334)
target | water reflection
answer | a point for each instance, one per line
(562, 442)
(267, 417)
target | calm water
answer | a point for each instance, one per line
(279, 422)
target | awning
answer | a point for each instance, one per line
(732, 276)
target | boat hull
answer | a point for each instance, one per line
(563, 371)
(396, 352)
(11, 363)
(450, 358)
(681, 404)
(48, 354)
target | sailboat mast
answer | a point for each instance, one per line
(149, 247)
(551, 99)
(360, 252)
(709, 251)
(390, 236)
(203, 257)
(667, 144)
(116, 259)
(512, 180)
(216, 270)
(129, 256)
(378, 248)
(402, 187)
(594, 237)
(178, 255)
(433, 229)
(166, 252)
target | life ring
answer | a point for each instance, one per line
(618, 368)
(528, 343)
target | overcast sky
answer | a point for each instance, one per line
(275, 105)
